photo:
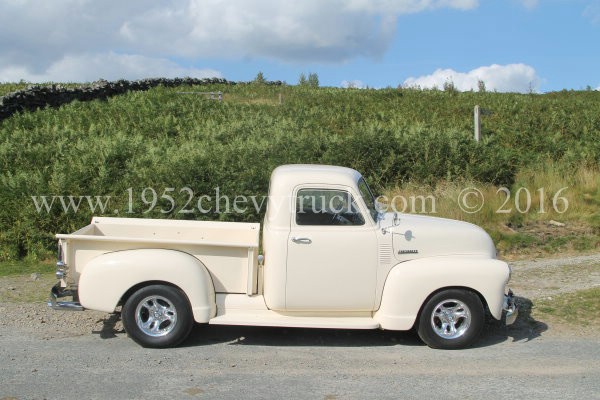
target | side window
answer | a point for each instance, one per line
(327, 207)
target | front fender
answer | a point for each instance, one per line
(410, 283)
(106, 278)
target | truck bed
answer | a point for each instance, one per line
(229, 250)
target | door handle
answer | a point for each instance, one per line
(301, 240)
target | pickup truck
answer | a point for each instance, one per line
(331, 260)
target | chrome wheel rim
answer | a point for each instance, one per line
(156, 316)
(450, 319)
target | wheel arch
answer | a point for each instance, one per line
(410, 284)
(144, 284)
(443, 289)
(109, 279)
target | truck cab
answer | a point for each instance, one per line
(321, 241)
(331, 259)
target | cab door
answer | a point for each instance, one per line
(332, 253)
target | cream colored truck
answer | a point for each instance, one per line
(331, 260)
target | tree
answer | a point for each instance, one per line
(313, 80)
(481, 86)
(260, 78)
(302, 79)
(449, 86)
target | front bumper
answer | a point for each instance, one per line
(510, 307)
(58, 292)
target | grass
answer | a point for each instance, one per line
(580, 308)
(16, 285)
(517, 224)
(10, 268)
(6, 88)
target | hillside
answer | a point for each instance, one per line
(406, 142)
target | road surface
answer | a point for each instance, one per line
(258, 363)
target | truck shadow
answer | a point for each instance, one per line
(203, 335)
(525, 328)
(110, 326)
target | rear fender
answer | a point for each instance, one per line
(108, 277)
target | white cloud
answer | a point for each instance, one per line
(355, 84)
(530, 4)
(110, 66)
(408, 6)
(37, 37)
(592, 12)
(502, 78)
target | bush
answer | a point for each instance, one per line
(163, 139)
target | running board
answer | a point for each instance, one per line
(272, 318)
(239, 309)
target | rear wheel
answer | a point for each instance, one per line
(157, 316)
(451, 319)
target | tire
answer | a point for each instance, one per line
(157, 316)
(451, 319)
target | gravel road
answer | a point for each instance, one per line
(539, 278)
(54, 355)
(249, 363)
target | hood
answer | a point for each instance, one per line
(418, 236)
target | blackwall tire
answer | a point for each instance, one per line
(451, 319)
(158, 316)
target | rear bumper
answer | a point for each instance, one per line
(58, 292)
(510, 308)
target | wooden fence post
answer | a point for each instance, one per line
(477, 121)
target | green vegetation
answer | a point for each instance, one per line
(6, 88)
(579, 308)
(521, 218)
(260, 79)
(312, 81)
(8, 268)
(404, 141)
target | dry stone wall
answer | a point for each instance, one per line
(35, 97)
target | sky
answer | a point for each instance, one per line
(510, 45)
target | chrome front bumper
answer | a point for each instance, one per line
(510, 307)
(58, 292)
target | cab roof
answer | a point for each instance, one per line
(286, 178)
(297, 174)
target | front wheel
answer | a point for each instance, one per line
(451, 319)
(157, 316)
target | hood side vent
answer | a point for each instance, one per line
(385, 253)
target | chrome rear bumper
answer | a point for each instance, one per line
(510, 307)
(56, 293)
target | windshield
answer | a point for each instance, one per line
(368, 198)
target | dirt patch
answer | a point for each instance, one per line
(547, 238)
(26, 288)
(544, 281)
(46, 323)
(543, 278)
(24, 306)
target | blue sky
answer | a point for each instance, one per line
(512, 45)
